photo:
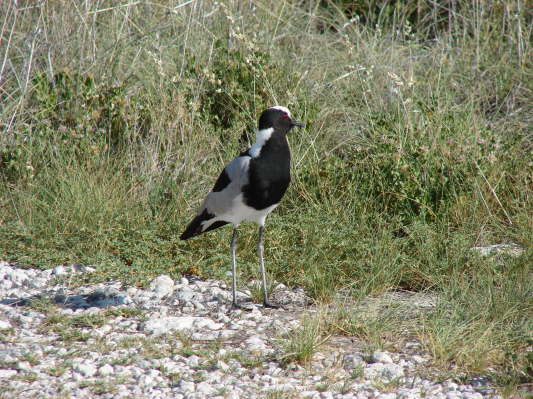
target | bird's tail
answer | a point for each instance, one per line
(196, 228)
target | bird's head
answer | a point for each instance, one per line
(279, 118)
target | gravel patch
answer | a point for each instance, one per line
(180, 339)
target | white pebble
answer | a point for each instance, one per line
(105, 370)
(86, 369)
(381, 357)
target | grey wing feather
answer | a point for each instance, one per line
(221, 202)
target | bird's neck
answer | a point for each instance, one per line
(267, 141)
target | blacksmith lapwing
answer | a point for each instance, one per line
(250, 187)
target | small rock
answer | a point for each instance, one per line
(388, 371)
(206, 323)
(193, 361)
(23, 365)
(392, 371)
(187, 386)
(185, 294)
(222, 366)
(60, 270)
(205, 388)
(453, 395)
(4, 325)
(37, 282)
(205, 336)
(79, 268)
(511, 249)
(147, 380)
(255, 344)
(418, 359)
(310, 394)
(232, 395)
(162, 285)
(351, 361)
(164, 325)
(451, 385)
(381, 357)
(105, 370)
(173, 367)
(86, 369)
(19, 277)
(7, 373)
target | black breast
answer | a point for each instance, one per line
(269, 175)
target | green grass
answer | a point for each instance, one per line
(418, 147)
(303, 342)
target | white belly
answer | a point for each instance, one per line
(239, 212)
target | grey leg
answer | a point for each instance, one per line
(260, 249)
(233, 247)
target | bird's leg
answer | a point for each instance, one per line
(233, 247)
(260, 248)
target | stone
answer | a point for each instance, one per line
(186, 294)
(193, 361)
(86, 369)
(351, 361)
(205, 388)
(206, 323)
(60, 270)
(23, 365)
(162, 286)
(164, 325)
(105, 370)
(37, 282)
(453, 395)
(6, 285)
(19, 277)
(4, 325)
(187, 386)
(419, 359)
(7, 373)
(384, 371)
(381, 357)
(510, 249)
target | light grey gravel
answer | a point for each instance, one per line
(181, 339)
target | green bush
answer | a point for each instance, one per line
(71, 115)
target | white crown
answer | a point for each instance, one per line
(283, 109)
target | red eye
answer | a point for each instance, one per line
(285, 116)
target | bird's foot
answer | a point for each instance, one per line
(270, 305)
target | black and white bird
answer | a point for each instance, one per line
(250, 187)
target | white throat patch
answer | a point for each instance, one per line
(262, 137)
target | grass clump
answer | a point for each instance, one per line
(303, 342)
(417, 148)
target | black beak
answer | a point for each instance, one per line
(296, 123)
